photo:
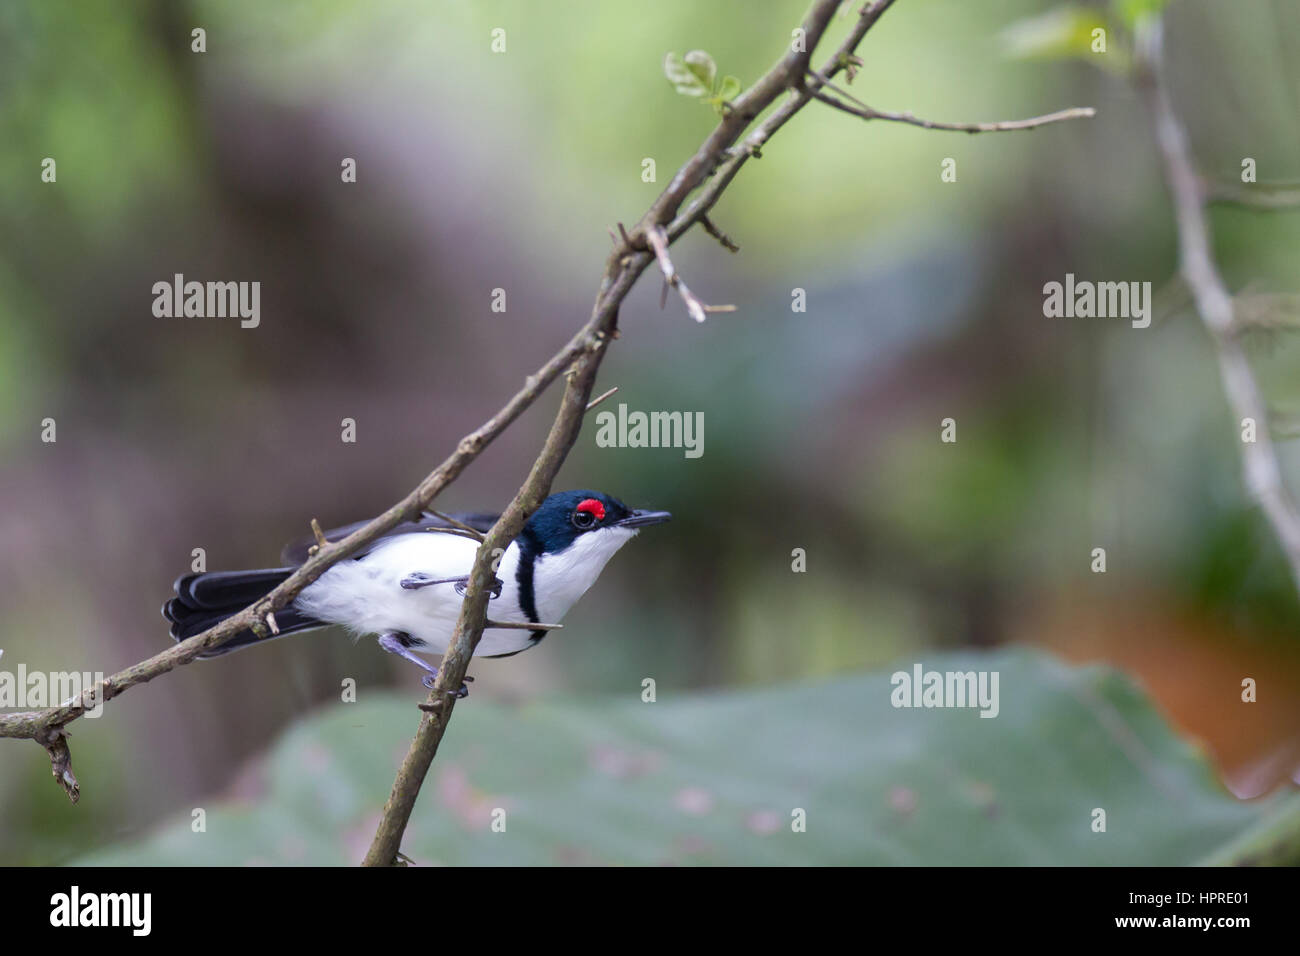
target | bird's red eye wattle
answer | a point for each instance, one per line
(592, 507)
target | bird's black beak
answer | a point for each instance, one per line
(639, 519)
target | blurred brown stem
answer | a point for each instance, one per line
(1213, 301)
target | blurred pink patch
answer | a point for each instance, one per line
(694, 801)
(902, 800)
(623, 764)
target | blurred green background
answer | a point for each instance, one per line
(481, 170)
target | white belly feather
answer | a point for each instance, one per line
(366, 595)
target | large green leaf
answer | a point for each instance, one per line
(715, 778)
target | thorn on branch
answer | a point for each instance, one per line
(698, 310)
(271, 623)
(55, 742)
(825, 81)
(600, 398)
(470, 532)
(718, 234)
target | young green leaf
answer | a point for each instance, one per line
(730, 88)
(702, 65)
(685, 79)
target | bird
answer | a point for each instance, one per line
(407, 586)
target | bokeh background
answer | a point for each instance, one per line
(479, 170)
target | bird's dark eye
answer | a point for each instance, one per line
(584, 520)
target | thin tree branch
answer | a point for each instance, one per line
(1213, 301)
(469, 532)
(1003, 126)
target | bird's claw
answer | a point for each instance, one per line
(429, 679)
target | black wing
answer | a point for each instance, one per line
(295, 552)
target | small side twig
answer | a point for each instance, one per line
(55, 742)
(458, 525)
(523, 625)
(698, 311)
(600, 398)
(718, 234)
(1003, 126)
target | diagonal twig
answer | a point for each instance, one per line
(695, 308)
(600, 398)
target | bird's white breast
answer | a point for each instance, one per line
(560, 579)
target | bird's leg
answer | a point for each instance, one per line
(399, 643)
(421, 579)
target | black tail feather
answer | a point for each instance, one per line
(204, 600)
(215, 590)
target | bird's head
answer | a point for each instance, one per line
(592, 519)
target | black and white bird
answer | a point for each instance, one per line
(407, 586)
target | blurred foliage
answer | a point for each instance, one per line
(1063, 33)
(713, 779)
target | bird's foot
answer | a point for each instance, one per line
(429, 679)
(396, 642)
